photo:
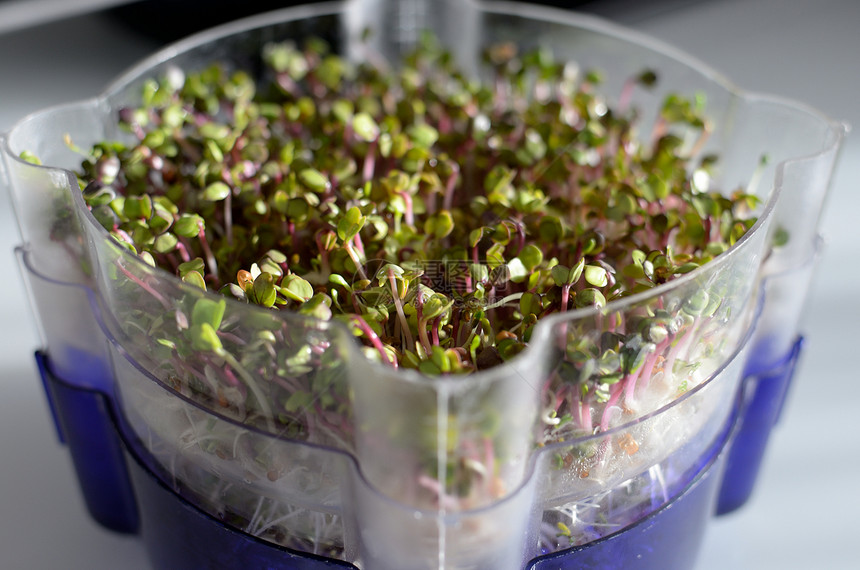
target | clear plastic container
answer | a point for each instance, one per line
(388, 468)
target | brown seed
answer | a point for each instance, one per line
(244, 278)
(628, 444)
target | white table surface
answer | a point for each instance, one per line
(800, 517)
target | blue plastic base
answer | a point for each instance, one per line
(124, 494)
(765, 393)
(667, 539)
(85, 423)
(179, 536)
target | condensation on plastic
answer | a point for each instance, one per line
(413, 438)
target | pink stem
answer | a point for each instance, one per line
(630, 384)
(675, 350)
(410, 214)
(651, 361)
(369, 166)
(565, 296)
(374, 339)
(350, 250)
(617, 390)
(435, 330)
(143, 285)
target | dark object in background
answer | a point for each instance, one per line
(171, 20)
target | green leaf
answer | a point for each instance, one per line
(550, 229)
(216, 192)
(315, 180)
(137, 207)
(204, 338)
(429, 367)
(339, 280)
(296, 288)
(298, 209)
(531, 256)
(560, 274)
(365, 127)
(318, 306)
(435, 306)
(517, 271)
(476, 235)
(496, 255)
(264, 290)
(188, 225)
(439, 225)
(343, 110)
(423, 135)
(195, 278)
(576, 271)
(28, 156)
(350, 224)
(214, 131)
(530, 303)
(596, 275)
(195, 264)
(165, 243)
(567, 276)
(590, 298)
(209, 312)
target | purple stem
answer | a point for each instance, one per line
(183, 251)
(565, 296)
(434, 332)
(143, 285)
(374, 339)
